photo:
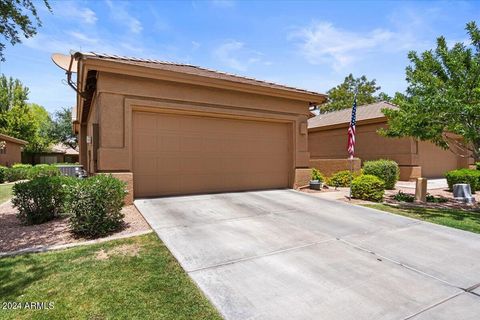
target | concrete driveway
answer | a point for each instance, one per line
(282, 254)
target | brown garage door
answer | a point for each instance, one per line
(183, 154)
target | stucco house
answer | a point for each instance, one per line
(173, 129)
(10, 150)
(327, 139)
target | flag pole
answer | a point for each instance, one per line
(352, 154)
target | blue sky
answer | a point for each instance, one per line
(312, 45)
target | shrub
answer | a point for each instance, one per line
(3, 174)
(433, 199)
(18, 172)
(340, 179)
(317, 175)
(43, 170)
(404, 197)
(95, 204)
(387, 170)
(368, 187)
(477, 165)
(472, 177)
(39, 200)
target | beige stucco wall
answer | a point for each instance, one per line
(117, 96)
(436, 161)
(414, 158)
(332, 144)
(13, 154)
(329, 166)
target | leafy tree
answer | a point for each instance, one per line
(16, 17)
(341, 96)
(12, 93)
(443, 96)
(43, 122)
(62, 128)
(30, 122)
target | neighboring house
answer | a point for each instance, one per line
(58, 153)
(327, 139)
(10, 150)
(180, 129)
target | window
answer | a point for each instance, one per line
(3, 147)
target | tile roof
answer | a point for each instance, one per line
(195, 70)
(62, 148)
(365, 112)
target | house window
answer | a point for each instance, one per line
(3, 147)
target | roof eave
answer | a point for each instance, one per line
(346, 124)
(99, 64)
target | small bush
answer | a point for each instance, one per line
(39, 200)
(317, 175)
(43, 170)
(433, 199)
(404, 197)
(477, 165)
(18, 172)
(3, 174)
(340, 179)
(387, 170)
(95, 204)
(472, 177)
(368, 187)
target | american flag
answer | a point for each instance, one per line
(351, 129)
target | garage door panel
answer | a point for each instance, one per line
(182, 154)
(168, 143)
(145, 142)
(146, 164)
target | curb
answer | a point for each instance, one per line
(71, 245)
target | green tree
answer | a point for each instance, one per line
(341, 96)
(29, 122)
(12, 93)
(443, 95)
(62, 128)
(16, 21)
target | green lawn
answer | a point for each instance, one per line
(135, 278)
(5, 192)
(460, 219)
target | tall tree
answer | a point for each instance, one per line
(341, 96)
(12, 93)
(16, 21)
(443, 96)
(30, 122)
(62, 128)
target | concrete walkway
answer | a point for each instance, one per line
(283, 254)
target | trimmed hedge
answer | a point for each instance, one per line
(317, 175)
(18, 172)
(368, 187)
(41, 199)
(43, 170)
(387, 170)
(472, 177)
(95, 204)
(3, 173)
(340, 179)
(27, 171)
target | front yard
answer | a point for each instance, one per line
(135, 278)
(468, 220)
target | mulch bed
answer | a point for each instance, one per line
(15, 236)
(438, 193)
